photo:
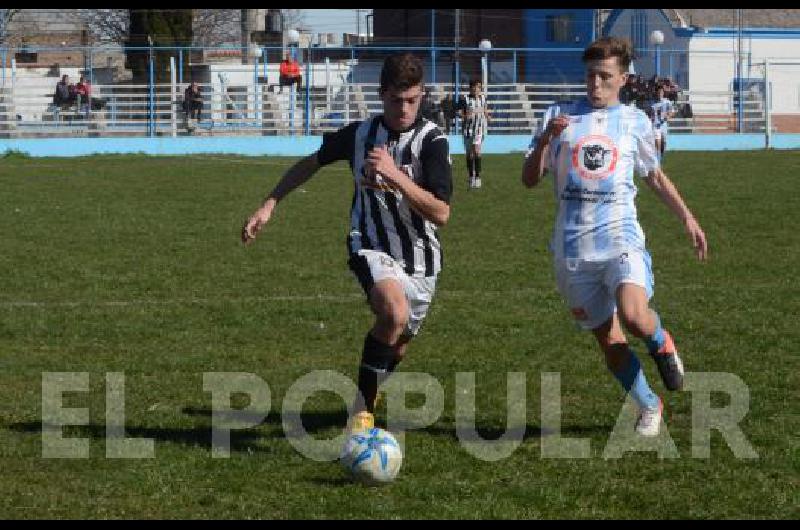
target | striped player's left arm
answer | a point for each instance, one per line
(431, 197)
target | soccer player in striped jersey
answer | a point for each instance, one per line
(475, 115)
(663, 111)
(603, 270)
(401, 170)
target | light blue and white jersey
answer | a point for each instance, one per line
(593, 162)
(661, 110)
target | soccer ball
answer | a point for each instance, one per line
(372, 456)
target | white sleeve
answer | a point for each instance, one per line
(646, 156)
(549, 114)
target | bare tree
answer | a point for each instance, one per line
(214, 27)
(293, 18)
(6, 15)
(106, 25)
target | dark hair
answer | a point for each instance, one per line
(401, 71)
(474, 82)
(606, 47)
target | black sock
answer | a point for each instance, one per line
(471, 166)
(477, 166)
(377, 363)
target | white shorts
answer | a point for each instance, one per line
(589, 287)
(372, 266)
(469, 141)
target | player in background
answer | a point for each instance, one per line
(603, 270)
(663, 111)
(475, 117)
(401, 170)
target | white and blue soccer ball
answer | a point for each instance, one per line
(372, 456)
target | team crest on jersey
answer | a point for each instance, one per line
(595, 157)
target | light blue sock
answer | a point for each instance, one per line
(633, 380)
(655, 341)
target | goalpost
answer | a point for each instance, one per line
(767, 64)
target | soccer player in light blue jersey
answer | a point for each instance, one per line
(663, 111)
(593, 147)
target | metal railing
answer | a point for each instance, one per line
(261, 109)
(521, 84)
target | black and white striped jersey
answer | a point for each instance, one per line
(381, 218)
(476, 124)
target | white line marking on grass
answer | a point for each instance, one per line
(541, 293)
(338, 298)
(180, 301)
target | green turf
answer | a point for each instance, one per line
(132, 264)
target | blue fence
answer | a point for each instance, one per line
(303, 145)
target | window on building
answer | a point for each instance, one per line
(639, 29)
(560, 28)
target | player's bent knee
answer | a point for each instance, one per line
(398, 318)
(393, 316)
(634, 318)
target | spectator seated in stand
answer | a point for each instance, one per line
(83, 92)
(65, 94)
(192, 101)
(289, 74)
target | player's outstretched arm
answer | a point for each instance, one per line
(668, 193)
(298, 174)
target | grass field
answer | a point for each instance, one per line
(133, 264)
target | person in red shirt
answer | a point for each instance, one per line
(289, 73)
(83, 91)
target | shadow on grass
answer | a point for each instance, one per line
(240, 440)
(531, 432)
(333, 482)
(313, 423)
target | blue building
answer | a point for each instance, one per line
(558, 38)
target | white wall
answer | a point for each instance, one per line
(710, 65)
(715, 71)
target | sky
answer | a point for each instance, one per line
(334, 20)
